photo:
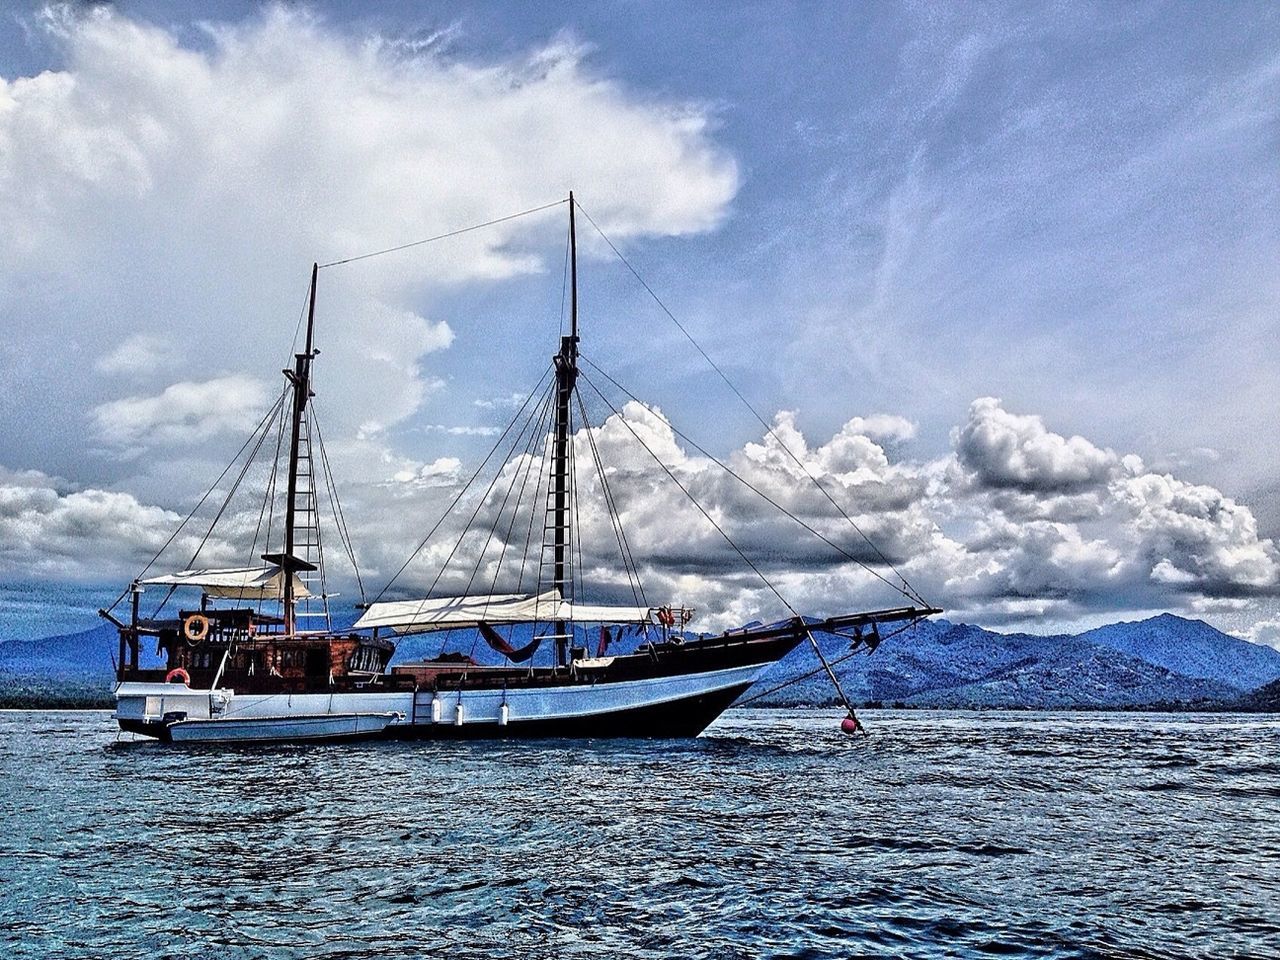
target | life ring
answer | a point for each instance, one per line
(665, 617)
(177, 673)
(196, 627)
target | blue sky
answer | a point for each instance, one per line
(870, 209)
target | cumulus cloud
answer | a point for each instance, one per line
(1007, 450)
(1265, 632)
(139, 354)
(182, 413)
(1150, 542)
(1196, 539)
(172, 186)
(51, 531)
(1062, 520)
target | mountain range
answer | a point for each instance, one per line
(1164, 661)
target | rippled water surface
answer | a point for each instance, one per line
(772, 835)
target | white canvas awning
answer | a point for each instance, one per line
(235, 583)
(452, 613)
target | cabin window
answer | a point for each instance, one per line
(365, 659)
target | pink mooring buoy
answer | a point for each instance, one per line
(849, 725)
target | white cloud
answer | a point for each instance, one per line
(48, 531)
(511, 401)
(154, 187)
(1265, 632)
(462, 431)
(139, 354)
(183, 412)
(1004, 449)
(1149, 542)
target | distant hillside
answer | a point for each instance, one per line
(1191, 648)
(68, 670)
(86, 654)
(1163, 661)
(1265, 699)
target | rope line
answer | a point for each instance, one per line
(906, 589)
(750, 486)
(817, 670)
(260, 435)
(615, 517)
(266, 418)
(658, 460)
(537, 389)
(444, 236)
(335, 504)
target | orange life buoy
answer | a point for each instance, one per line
(177, 673)
(665, 617)
(196, 627)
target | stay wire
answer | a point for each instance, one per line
(577, 582)
(479, 506)
(799, 620)
(758, 492)
(444, 236)
(272, 481)
(524, 483)
(261, 436)
(511, 487)
(906, 589)
(266, 418)
(533, 512)
(537, 389)
(335, 503)
(672, 477)
(611, 507)
(817, 670)
(516, 477)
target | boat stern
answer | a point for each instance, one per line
(149, 708)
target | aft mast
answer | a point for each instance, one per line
(566, 364)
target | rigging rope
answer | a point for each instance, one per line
(266, 418)
(611, 507)
(738, 550)
(269, 498)
(533, 512)
(747, 483)
(480, 505)
(817, 670)
(683, 489)
(906, 589)
(536, 417)
(497, 520)
(430, 533)
(335, 504)
(444, 236)
(261, 436)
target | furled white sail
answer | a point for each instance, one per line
(235, 583)
(450, 613)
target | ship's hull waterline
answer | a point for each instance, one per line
(666, 706)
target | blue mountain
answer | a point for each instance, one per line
(1191, 648)
(1166, 660)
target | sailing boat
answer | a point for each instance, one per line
(234, 673)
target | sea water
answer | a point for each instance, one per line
(773, 835)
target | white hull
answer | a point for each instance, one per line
(337, 726)
(143, 707)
